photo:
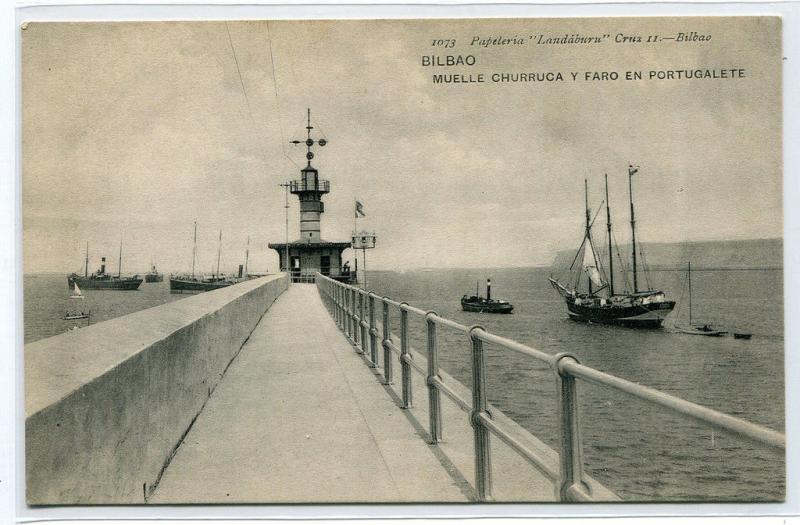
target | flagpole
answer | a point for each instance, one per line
(355, 229)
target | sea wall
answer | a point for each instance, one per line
(107, 405)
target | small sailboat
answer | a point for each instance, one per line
(76, 292)
(692, 329)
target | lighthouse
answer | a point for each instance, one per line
(310, 254)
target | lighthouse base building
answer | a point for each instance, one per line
(307, 258)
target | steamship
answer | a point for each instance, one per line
(598, 302)
(476, 303)
(100, 280)
(153, 276)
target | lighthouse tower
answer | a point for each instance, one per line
(310, 253)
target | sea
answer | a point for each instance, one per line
(640, 451)
(46, 300)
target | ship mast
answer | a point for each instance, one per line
(588, 238)
(119, 266)
(86, 263)
(246, 255)
(631, 171)
(194, 248)
(690, 293)
(219, 252)
(610, 254)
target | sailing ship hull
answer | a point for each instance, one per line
(154, 277)
(189, 285)
(109, 283)
(635, 316)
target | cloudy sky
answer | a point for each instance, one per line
(133, 131)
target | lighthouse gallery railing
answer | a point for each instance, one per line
(354, 311)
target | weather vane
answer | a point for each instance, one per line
(309, 141)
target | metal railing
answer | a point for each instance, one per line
(354, 310)
(321, 186)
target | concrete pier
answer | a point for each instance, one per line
(300, 417)
(106, 405)
(205, 401)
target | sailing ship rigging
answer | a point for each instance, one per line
(640, 308)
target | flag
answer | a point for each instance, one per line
(359, 210)
(633, 169)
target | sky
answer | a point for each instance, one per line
(133, 131)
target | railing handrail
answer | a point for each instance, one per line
(566, 366)
(321, 185)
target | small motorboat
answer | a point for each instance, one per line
(476, 303)
(72, 316)
(742, 336)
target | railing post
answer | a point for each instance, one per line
(571, 456)
(405, 368)
(362, 321)
(350, 314)
(339, 309)
(387, 352)
(373, 332)
(335, 298)
(346, 307)
(483, 459)
(356, 321)
(434, 397)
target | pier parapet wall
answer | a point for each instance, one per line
(107, 405)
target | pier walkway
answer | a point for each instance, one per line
(299, 417)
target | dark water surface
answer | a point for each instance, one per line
(46, 299)
(638, 450)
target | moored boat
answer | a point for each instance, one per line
(153, 276)
(100, 280)
(191, 283)
(599, 303)
(72, 316)
(693, 329)
(476, 303)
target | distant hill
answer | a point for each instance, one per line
(751, 253)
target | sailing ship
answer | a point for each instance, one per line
(476, 303)
(692, 329)
(192, 283)
(153, 276)
(600, 303)
(100, 280)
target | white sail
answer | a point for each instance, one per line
(76, 292)
(590, 266)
